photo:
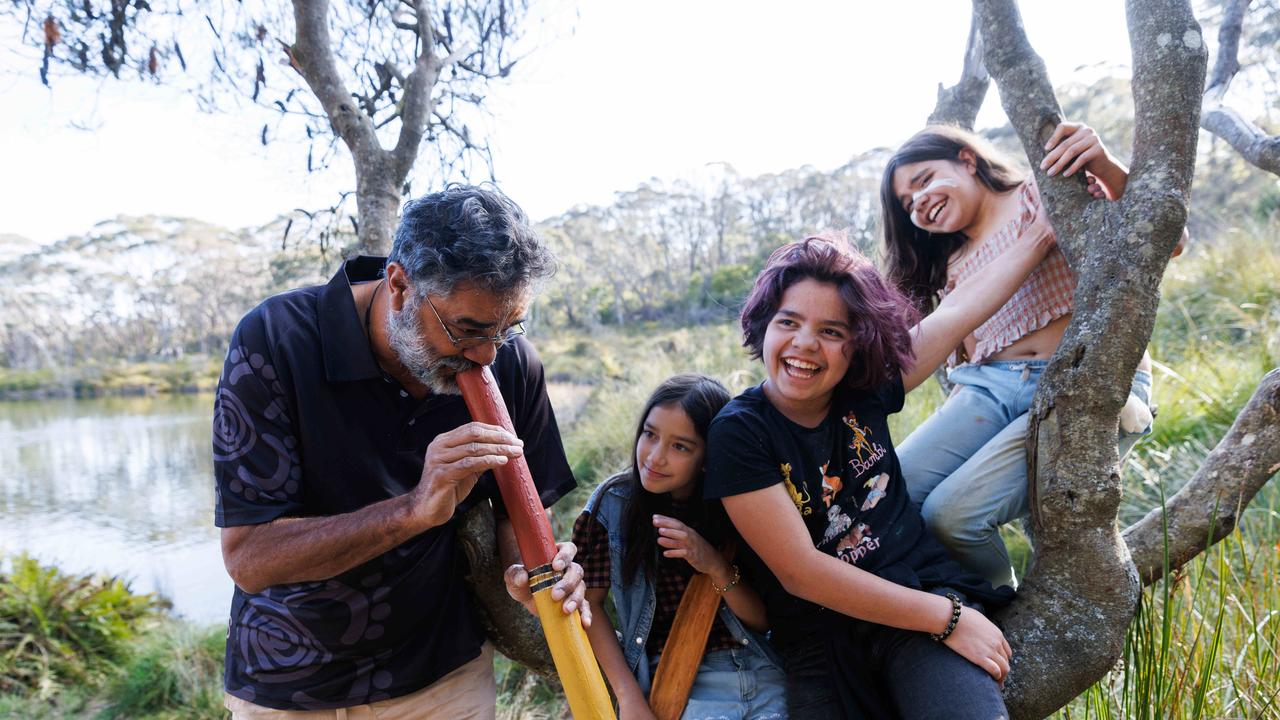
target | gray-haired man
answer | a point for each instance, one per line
(343, 456)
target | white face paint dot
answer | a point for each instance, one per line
(1248, 439)
(1191, 39)
(1164, 39)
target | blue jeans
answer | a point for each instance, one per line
(735, 685)
(966, 465)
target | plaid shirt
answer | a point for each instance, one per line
(1043, 297)
(673, 577)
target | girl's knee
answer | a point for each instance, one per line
(949, 522)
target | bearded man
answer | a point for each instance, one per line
(344, 457)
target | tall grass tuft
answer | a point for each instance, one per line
(59, 629)
(175, 674)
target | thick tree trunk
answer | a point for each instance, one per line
(1068, 623)
(377, 206)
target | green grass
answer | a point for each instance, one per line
(175, 673)
(59, 629)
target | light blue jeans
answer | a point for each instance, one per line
(966, 465)
(735, 685)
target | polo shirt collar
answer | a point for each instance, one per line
(347, 355)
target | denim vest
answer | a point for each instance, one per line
(635, 599)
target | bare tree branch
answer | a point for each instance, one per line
(960, 103)
(1253, 144)
(417, 103)
(1208, 507)
(313, 52)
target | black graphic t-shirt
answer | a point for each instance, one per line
(306, 425)
(845, 481)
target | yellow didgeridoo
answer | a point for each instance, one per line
(575, 664)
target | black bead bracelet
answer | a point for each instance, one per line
(955, 618)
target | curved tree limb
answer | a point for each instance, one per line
(1254, 145)
(959, 104)
(1207, 508)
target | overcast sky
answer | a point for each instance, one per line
(620, 93)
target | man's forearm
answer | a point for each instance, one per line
(290, 550)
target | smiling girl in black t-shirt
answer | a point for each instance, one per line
(870, 614)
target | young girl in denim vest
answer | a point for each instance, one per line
(952, 205)
(642, 536)
(871, 616)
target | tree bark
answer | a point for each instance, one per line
(1207, 508)
(1254, 145)
(511, 628)
(959, 104)
(1068, 623)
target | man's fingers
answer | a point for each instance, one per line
(454, 453)
(586, 612)
(572, 578)
(565, 553)
(476, 432)
(676, 553)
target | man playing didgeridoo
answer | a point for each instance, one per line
(344, 457)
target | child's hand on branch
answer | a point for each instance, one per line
(1074, 147)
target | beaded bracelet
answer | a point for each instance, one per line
(733, 582)
(955, 618)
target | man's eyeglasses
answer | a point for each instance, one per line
(473, 341)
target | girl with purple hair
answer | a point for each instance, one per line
(871, 616)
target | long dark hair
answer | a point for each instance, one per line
(880, 317)
(700, 397)
(915, 260)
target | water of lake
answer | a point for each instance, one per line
(117, 485)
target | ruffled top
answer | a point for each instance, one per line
(1043, 297)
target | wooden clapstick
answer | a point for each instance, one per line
(681, 656)
(575, 664)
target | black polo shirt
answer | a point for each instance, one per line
(306, 424)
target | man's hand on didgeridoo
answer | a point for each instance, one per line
(570, 588)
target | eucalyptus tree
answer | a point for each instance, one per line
(1068, 623)
(390, 79)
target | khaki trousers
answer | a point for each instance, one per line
(467, 692)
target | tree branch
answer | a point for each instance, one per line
(1208, 507)
(1028, 99)
(1253, 144)
(313, 52)
(959, 104)
(417, 102)
(1227, 64)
